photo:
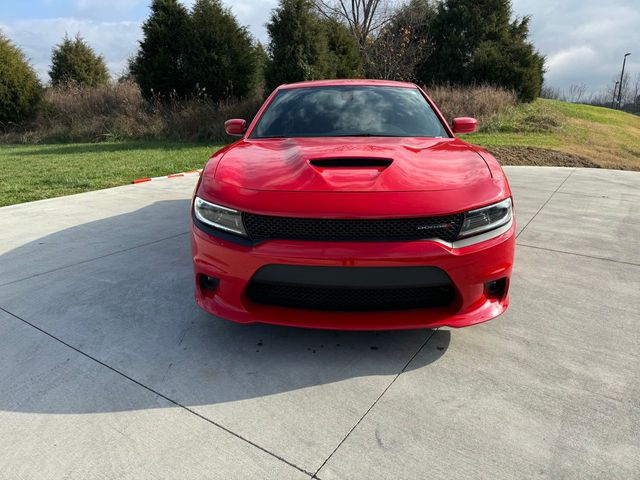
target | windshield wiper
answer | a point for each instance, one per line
(329, 136)
(358, 135)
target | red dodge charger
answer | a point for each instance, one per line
(351, 204)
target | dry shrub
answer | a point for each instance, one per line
(199, 119)
(117, 111)
(73, 113)
(481, 102)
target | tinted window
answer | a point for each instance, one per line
(349, 111)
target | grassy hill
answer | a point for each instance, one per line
(550, 132)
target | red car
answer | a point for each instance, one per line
(351, 204)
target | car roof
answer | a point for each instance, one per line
(350, 82)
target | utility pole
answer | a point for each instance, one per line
(624, 60)
(615, 89)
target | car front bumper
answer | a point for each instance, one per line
(469, 267)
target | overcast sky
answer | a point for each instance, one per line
(584, 40)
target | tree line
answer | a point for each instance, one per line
(204, 51)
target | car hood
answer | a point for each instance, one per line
(352, 165)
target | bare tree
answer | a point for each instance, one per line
(630, 95)
(624, 90)
(551, 92)
(575, 92)
(363, 17)
(402, 44)
(601, 98)
(636, 94)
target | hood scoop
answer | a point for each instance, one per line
(351, 162)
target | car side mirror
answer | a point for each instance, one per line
(464, 125)
(235, 127)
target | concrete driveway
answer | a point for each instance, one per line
(109, 370)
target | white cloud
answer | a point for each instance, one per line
(569, 58)
(115, 4)
(105, 9)
(584, 40)
(255, 14)
(115, 41)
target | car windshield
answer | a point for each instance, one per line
(349, 111)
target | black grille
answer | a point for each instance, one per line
(350, 299)
(264, 227)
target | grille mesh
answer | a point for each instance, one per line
(350, 299)
(265, 227)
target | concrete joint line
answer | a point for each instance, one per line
(545, 203)
(155, 392)
(89, 260)
(602, 197)
(579, 254)
(315, 475)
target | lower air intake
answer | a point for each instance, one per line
(350, 299)
(351, 288)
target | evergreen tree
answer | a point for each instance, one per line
(261, 59)
(219, 57)
(159, 65)
(475, 41)
(20, 90)
(298, 46)
(74, 61)
(344, 52)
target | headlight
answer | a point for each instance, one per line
(219, 217)
(486, 218)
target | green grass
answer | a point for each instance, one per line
(609, 138)
(33, 172)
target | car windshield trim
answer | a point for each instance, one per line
(336, 111)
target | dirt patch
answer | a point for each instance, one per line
(539, 157)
